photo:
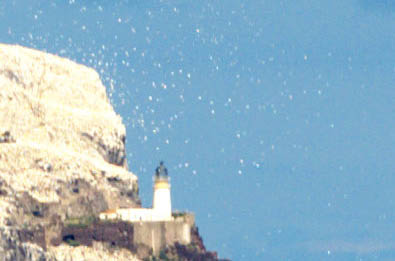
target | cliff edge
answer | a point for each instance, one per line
(62, 155)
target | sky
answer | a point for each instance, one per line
(274, 118)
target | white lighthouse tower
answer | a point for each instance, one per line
(162, 201)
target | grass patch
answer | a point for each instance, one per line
(72, 242)
(80, 222)
(178, 214)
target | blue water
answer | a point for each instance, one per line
(274, 118)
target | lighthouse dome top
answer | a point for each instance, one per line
(161, 171)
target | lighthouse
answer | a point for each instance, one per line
(161, 202)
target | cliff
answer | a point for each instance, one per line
(62, 155)
(62, 162)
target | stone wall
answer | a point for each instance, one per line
(151, 236)
(119, 234)
(158, 235)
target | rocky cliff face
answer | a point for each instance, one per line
(62, 155)
(62, 162)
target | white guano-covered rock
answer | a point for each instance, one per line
(62, 146)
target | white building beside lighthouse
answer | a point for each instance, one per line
(156, 227)
(161, 203)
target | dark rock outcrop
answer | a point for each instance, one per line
(195, 251)
(117, 234)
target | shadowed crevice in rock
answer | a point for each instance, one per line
(125, 190)
(10, 75)
(114, 154)
(6, 137)
(31, 207)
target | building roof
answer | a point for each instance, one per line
(110, 211)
